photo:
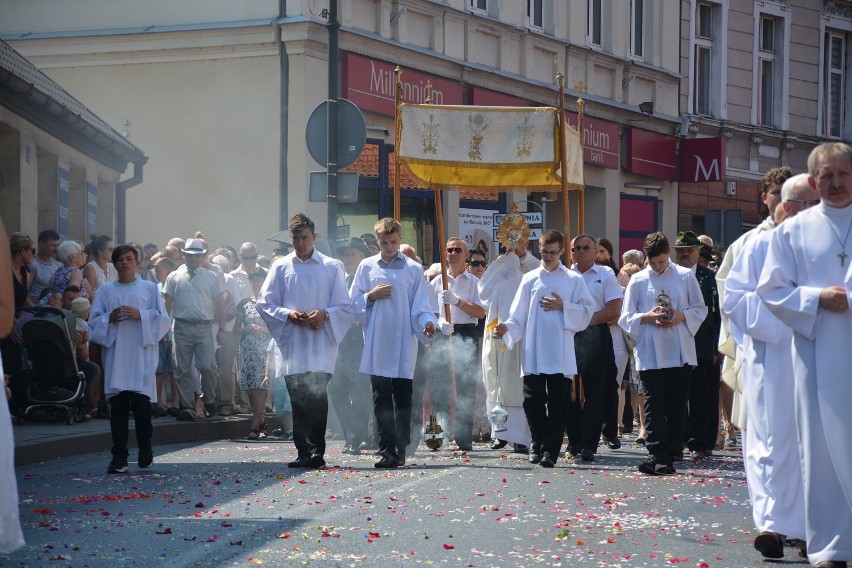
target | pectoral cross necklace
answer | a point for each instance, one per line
(842, 254)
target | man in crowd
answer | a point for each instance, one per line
(462, 299)
(194, 297)
(703, 413)
(771, 195)
(391, 300)
(551, 305)
(806, 284)
(350, 389)
(663, 309)
(771, 457)
(44, 263)
(595, 355)
(306, 308)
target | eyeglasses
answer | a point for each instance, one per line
(549, 252)
(454, 250)
(478, 263)
(806, 202)
(584, 247)
(244, 257)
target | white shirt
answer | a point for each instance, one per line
(463, 286)
(392, 325)
(549, 335)
(663, 347)
(304, 286)
(192, 296)
(602, 284)
(131, 350)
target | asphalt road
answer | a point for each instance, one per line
(226, 503)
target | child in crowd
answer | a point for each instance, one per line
(128, 319)
(278, 385)
(163, 266)
(80, 308)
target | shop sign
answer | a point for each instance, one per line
(702, 159)
(651, 154)
(486, 97)
(600, 141)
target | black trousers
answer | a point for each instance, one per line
(545, 406)
(467, 366)
(309, 398)
(596, 364)
(392, 405)
(349, 389)
(119, 414)
(703, 418)
(419, 384)
(666, 396)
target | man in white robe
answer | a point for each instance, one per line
(770, 447)
(807, 283)
(552, 304)
(497, 289)
(128, 319)
(733, 408)
(306, 308)
(390, 298)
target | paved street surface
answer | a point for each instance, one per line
(232, 502)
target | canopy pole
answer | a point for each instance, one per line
(439, 222)
(563, 160)
(581, 196)
(397, 97)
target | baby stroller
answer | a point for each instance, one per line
(52, 379)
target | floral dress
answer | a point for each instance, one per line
(60, 279)
(252, 354)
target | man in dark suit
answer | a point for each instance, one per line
(703, 417)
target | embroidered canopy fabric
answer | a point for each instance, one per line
(480, 147)
(573, 158)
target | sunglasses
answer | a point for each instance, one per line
(478, 263)
(550, 252)
(584, 247)
(244, 257)
(806, 202)
(456, 250)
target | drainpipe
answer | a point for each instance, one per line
(121, 202)
(284, 120)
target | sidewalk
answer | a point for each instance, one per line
(37, 440)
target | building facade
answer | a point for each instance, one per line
(219, 94)
(783, 69)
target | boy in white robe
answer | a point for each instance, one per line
(807, 283)
(390, 298)
(552, 304)
(128, 319)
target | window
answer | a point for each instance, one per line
(767, 72)
(708, 74)
(835, 84)
(479, 5)
(535, 15)
(637, 27)
(594, 30)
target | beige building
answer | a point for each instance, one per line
(219, 94)
(60, 164)
(783, 68)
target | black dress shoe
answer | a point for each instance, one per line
(586, 455)
(498, 444)
(769, 544)
(301, 461)
(535, 458)
(388, 461)
(316, 461)
(464, 446)
(400, 460)
(612, 443)
(831, 564)
(520, 449)
(547, 461)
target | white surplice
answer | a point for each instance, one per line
(802, 260)
(732, 363)
(771, 449)
(392, 326)
(497, 289)
(11, 536)
(317, 283)
(663, 347)
(131, 347)
(549, 345)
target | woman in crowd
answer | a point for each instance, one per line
(21, 251)
(72, 256)
(254, 341)
(100, 270)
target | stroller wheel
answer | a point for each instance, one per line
(69, 416)
(51, 416)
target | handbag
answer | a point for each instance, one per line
(230, 306)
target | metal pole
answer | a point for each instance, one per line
(333, 93)
(543, 214)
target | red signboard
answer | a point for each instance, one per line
(702, 159)
(600, 141)
(370, 83)
(651, 154)
(485, 97)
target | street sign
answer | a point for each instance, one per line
(347, 187)
(532, 218)
(351, 133)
